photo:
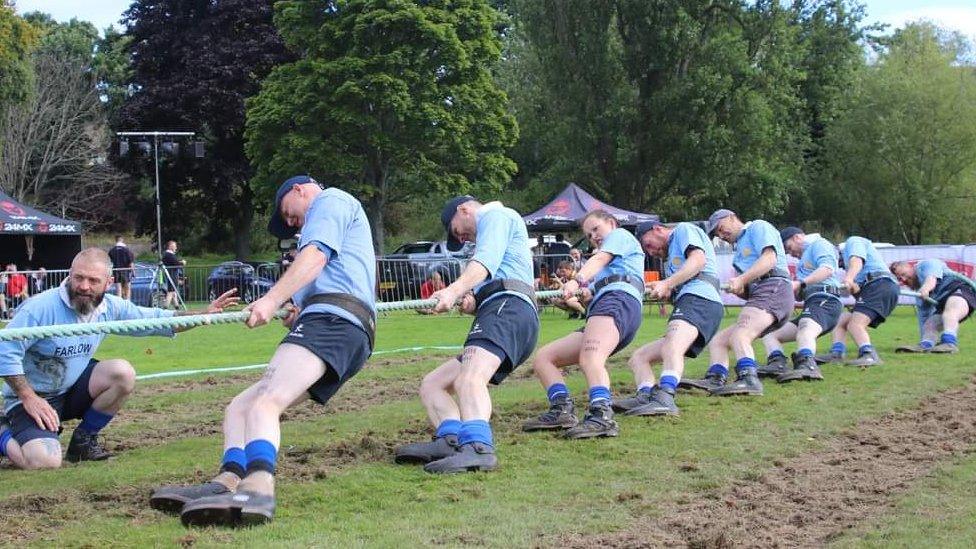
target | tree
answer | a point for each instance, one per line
(908, 142)
(55, 142)
(193, 65)
(391, 99)
(16, 39)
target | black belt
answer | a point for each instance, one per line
(871, 277)
(820, 289)
(775, 273)
(634, 281)
(704, 277)
(352, 305)
(503, 285)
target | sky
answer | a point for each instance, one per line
(953, 14)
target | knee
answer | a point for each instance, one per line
(430, 386)
(122, 375)
(469, 381)
(43, 457)
(238, 406)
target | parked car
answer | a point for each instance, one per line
(401, 273)
(234, 274)
(147, 290)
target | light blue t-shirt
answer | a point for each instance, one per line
(757, 235)
(336, 224)
(684, 238)
(502, 247)
(53, 365)
(858, 246)
(938, 269)
(628, 260)
(819, 253)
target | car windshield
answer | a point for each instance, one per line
(413, 249)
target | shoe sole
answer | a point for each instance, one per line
(536, 428)
(944, 352)
(465, 469)
(902, 350)
(406, 459)
(593, 434)
(688, 386)
(854, 365)
(653, 413)
(801, 378)
(769, 374)
(228, 515)
(168, 504)
(734, 392)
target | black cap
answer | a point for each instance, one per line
(277, 225)
(715, 218)
(789, 233)
(447, 215)
(645, 226)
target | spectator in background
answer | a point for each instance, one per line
(174, 268)
(558, 251)
(576, 257)
(16, 288)
(573, 305)
(540, 245)
(433, 284)
(122, 263)
(287, 258)
(38, 281)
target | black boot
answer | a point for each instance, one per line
(84, 446)
(804, 367)
(426, 452)
(598, 422)
(775, 366)
(561, 415)
(746, 383)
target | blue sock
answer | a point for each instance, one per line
(235, 461)
(261, 456)
(775, 354)
(718, 369)
(744, 364)
(94, 421)
(805, 352)
(669, 382)
(599, 393)
(645, 388)
(476, 430)
(839, 348)
(557, 390)
(948, 337)
(866, 348)
(449, 427)
(927, 344)
(4, 439)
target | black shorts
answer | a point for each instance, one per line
(507, 327)
(624, 309)
(823, 309)
(72, 404)
(877, 299)
(963, 290)
(342, 346)
(122, 275)
(704, 314)
(775, 296)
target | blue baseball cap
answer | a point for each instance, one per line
(645, 226)
(789, 233)
(713, 220)
(447, 215)
(277, 225)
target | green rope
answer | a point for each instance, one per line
(188, 321)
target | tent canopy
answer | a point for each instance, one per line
(571, 204)
(16, 218)
(31, 238)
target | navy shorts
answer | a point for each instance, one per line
(72, 404)
(823, 309)
(877, 299)
(963, 290)
(342, 346)
(507, 327)
(122, 275)
(625, 311)
(704, 314)
(775, 296)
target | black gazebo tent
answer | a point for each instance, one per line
(563, 212)
(31, 238)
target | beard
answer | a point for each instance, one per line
(84, 303)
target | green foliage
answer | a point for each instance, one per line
(17, 37)
(74, 39)
(391, 100)
(909, 142)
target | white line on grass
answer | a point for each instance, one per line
(180, 373)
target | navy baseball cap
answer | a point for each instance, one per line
(447, 215)
(789, 233)
(645, 226)
(277, 225)
(714, 219)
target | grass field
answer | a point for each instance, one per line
(338, 486)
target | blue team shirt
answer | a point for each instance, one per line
(819, 253)
(938, 269)
(53, 365)
(857, 246)
(628, 260)
(684, 238)
(502, 247)
(336, 224)
(757, 235)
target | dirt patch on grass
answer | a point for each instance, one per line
(817, 496)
